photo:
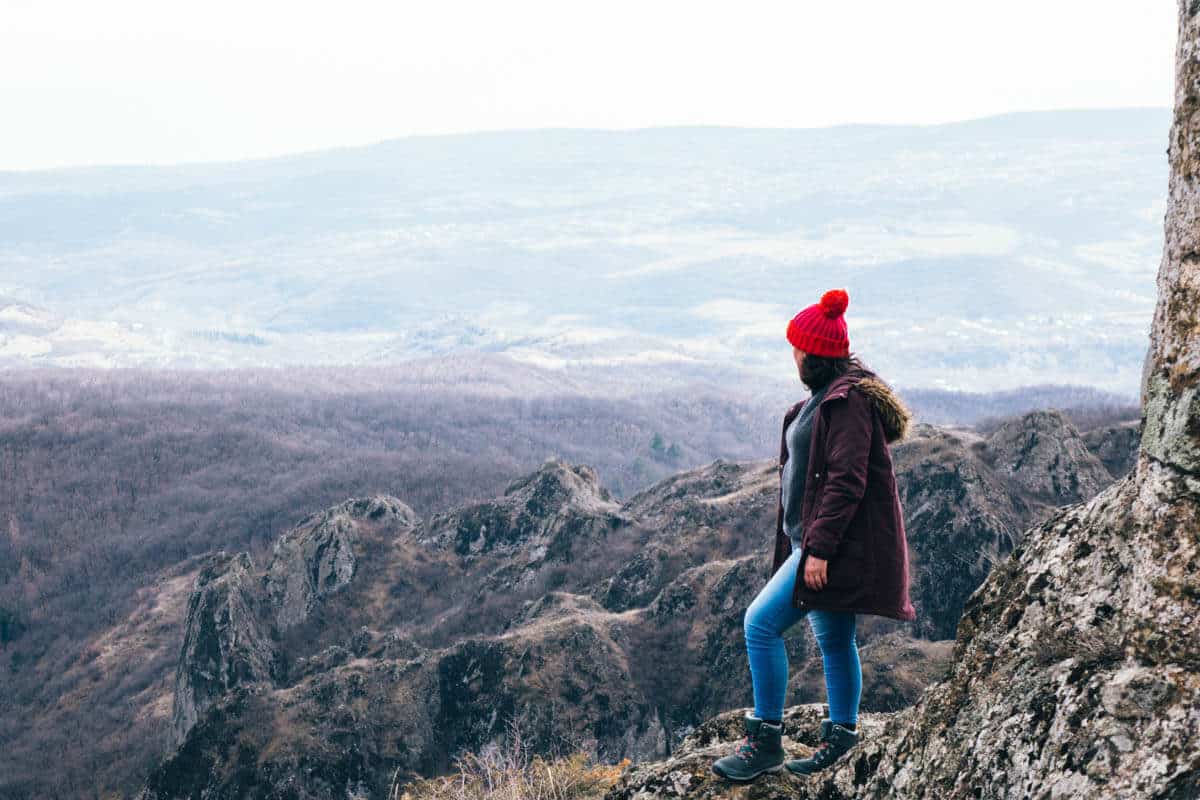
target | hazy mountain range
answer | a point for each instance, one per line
(979, 255)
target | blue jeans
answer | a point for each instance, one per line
(769, 615)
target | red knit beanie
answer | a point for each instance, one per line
(820, 329)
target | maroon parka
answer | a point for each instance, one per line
(851, 508)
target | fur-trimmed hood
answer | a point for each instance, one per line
(895, 415)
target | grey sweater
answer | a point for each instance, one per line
(795, 469)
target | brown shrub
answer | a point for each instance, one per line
(511, 771)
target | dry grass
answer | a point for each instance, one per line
(512, 772)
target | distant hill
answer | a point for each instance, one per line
(979, 255)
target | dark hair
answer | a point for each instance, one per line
(817, 372)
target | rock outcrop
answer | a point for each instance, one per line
(1044, 454)
(1116, 445)
(234, 616)
(1171, 378)
(376, 641)
(638, 581)
(317, 557)
(545, 516)
(961, 518)
(226, 643)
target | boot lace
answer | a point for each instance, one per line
(823, 751)
(746, 749)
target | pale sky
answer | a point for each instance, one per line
(152, 82)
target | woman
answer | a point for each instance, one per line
(840, 547)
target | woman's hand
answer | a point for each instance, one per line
(814, 572)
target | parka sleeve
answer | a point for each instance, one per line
(848, 449)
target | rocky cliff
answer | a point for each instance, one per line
(375, 640)
(320, 555)
(1044, 455)
(226, 643)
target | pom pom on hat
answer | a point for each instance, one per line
(834, 303)
(820, 329)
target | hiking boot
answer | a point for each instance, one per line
(759, 751)
(835, 741)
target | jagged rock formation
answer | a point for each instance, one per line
(317, 557)
(638, 582)
(1076, 670)
(706, 496)
(896, 669)
(543, 512)
(225, 644)
(1116, 446)
(1047, 457)
(234, 617)
(594, 677)
(382, 641)
(548, 515)
(963, 509)
(967, 499)
(961, 518)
